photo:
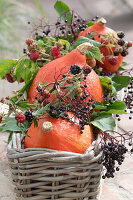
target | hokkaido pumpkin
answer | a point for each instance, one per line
(100, 29)
(59, 134)
(52, 70)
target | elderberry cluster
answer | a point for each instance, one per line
(29, 116)
(112, 153)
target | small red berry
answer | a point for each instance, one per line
(0, 119)
(130, 44)
(9, 77)
(20, 118)
(34, 55)
(55, 51)
(113, 60)
(21, 80)
(29, 41)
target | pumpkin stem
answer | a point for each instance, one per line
(47, 127)
(101, 21)
(82, 48)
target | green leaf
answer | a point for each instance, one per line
(10, 137)
(82, 40)
(94, 53)
(117, 105)
(25, 69)
(65, 43)
(104, 122)
(6, 65)
(113, 112)
(90, 23)
(11, 125)
(122, 82)
(40, 44)
(107, 85)
(63, 10)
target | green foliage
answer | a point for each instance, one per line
(63, 11)
(121, 82)
(94, 53)
(82, 40)
(104, 122)
(6, 65)
(107, 85)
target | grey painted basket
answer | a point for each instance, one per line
(40, 174)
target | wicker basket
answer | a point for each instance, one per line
(40, 174)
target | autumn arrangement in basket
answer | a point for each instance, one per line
(71, 74)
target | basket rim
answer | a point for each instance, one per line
(15, 151)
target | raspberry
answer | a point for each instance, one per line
(87, 69)
(75, 69)
(113, 60)
(0, 119)
(9, 77)
(34, 55)
(29, 41)
(29, 116)
(20, 118)
(55, 51)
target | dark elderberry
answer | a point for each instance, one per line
(24, 50)
(75, 69)
(29, 116)
(64, 75)
(112, 153)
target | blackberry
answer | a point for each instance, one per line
(75, 69)
(124, 53)
(121, 42)
(29, 116)
(121, 34)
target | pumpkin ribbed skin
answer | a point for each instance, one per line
(52, 70)
(65, 136)
(102, 29)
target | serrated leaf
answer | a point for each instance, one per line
(82, 40)
(63, 11)
(11, 125)
(6, 65)
(40, 44)
(107, 85)
(104, 122)
(94, 53)
(122, 82)
(65, 43)
(117, 105)
(24, 69)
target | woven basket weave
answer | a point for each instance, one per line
(40, 174)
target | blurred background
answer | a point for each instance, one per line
(14, 28)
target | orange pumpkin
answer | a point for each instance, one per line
(59, 134)
(100, 28)
(50, 71)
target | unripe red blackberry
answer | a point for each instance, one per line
(0, 119)
(87, 69)
(20, 118)
(34, 55)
